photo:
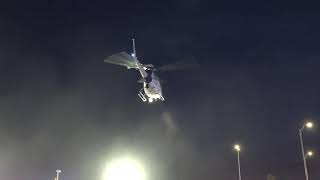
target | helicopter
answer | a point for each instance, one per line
(151, 90)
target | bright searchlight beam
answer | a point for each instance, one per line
(124, 169)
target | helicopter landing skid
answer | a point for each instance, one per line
(142, 96)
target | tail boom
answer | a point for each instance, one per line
(135, 59)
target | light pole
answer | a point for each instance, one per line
(58, 173)
(308, 125)
(237, 148)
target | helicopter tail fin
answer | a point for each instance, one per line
(135, 59)
(134, 55)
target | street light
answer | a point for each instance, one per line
(58, 173)
(237, 148)
(310, 153)
(308, 125)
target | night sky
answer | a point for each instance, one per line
(63, 107)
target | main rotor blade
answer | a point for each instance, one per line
(180, 65)
(122, 59)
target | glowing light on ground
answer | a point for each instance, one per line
(124, 169)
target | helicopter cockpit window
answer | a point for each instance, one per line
(149, 77)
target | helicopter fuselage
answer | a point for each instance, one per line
(151, 90)
(151, 83)
(152, 87)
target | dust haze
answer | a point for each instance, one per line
(61, 107)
